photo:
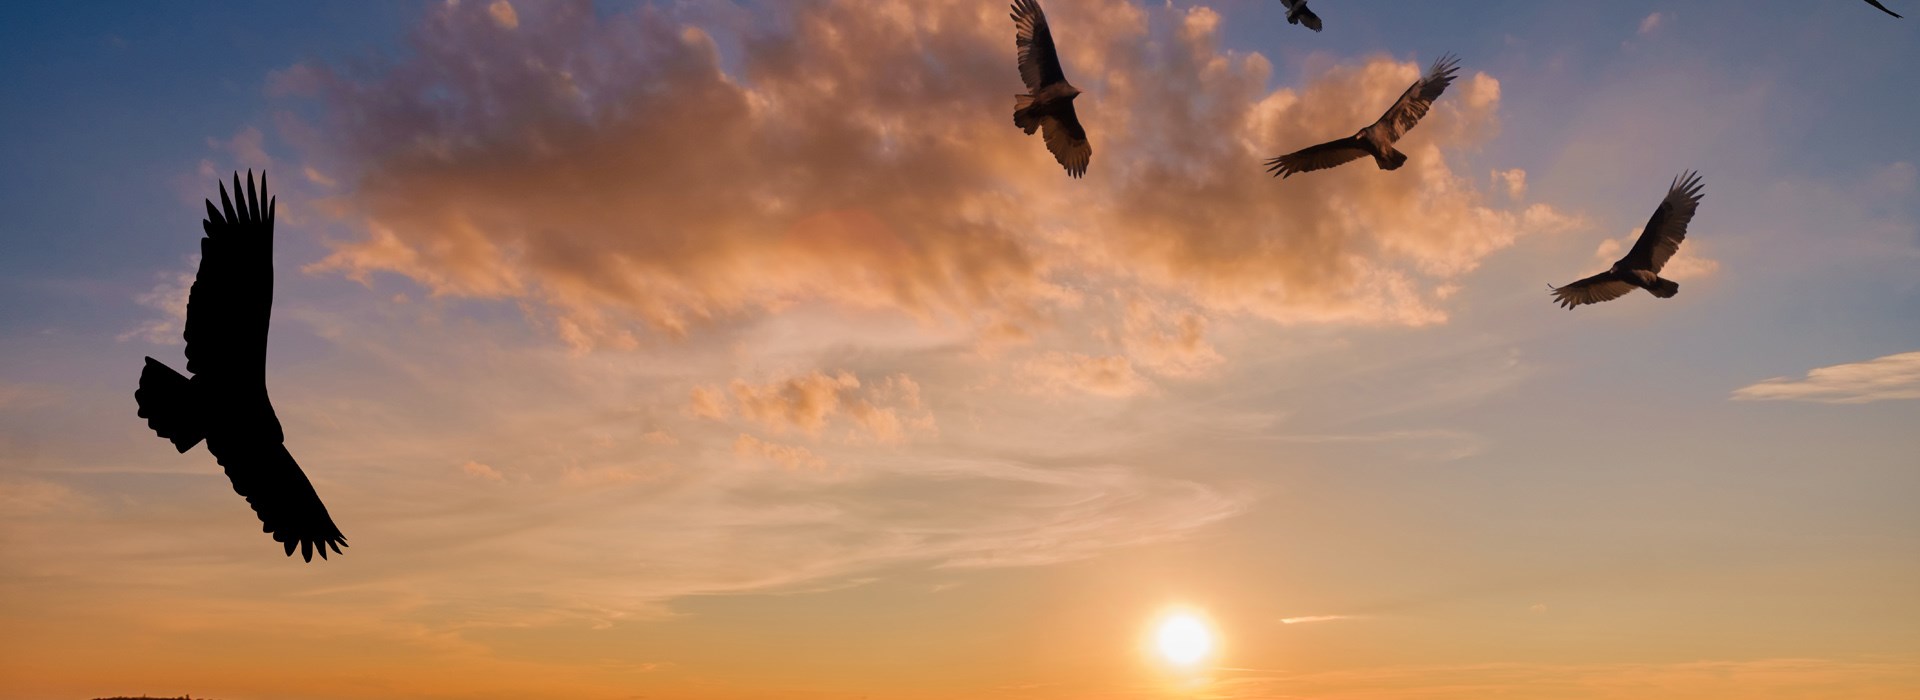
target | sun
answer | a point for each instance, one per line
(1182, 639)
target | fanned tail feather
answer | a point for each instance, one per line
(1664, 288)
(1021, 117)
(166, 401)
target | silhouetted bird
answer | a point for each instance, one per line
(1883, 8)
(1297, 13)
(1378, 138)
(226, 401)
(1049, 104)
(1641, 266)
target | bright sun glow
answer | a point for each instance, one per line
(1183, 639)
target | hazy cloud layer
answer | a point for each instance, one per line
(1879, 379)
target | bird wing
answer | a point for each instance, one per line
(1308, 18)
(1067, 140)
(1414, 103)
(1668, 227)
(232, 293)
(1319, 157)
(1592, 290)
(1883, 8)
(263, 472)
(1039, 65)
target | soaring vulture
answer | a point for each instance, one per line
(1048, 106)
(1883, 8)
(1641, 266)
(1376, 139)
(225, 403)
(1297, 13)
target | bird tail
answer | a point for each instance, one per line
(1664, 288)
(166, 401)
(1023, 118)
(1392, 160)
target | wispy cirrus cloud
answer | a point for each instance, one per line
(1888, 378)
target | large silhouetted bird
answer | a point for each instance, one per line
(1048, 106)
(1376, 139)
(1883, 8)
(1297, 13)
(225, 403)
(1641, 265)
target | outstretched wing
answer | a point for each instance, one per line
(1883, 8)
(1319, 157)
(1592, 290)
(1067, 140)
(1039, 65)
(1414, 103)
(265, 474)
(232, 294)
(1668, 227)
(1299, 13)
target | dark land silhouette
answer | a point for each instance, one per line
(1640, 267)
(225, 403)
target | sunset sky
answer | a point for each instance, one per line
(728, 350)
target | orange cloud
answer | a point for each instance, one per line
(611, 171)
(888, 411)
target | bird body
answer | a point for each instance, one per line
(1047, 106)
(1297, 13)
(1640, 267)
(1375, 139)
(226, 404)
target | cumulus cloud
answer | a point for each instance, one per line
(612, 172)
(1515, 181)
(1880, 379)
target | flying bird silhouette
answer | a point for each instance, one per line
(1376, 139)
(1641, 265)
(1297, 13)
(225, 403)
(1048, 105)
(1883, 8)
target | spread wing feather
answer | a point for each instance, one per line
(1592, 290)
(1883, 8)
(1414, 103)
(1668, 226)
(1039, 64)
(1068, 141)
(1319, 157)
(263, 472)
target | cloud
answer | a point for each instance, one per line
(888, 411)
(1887, 378)
(482, 471)
(1685, 264)
(169, 297)
(1515, 181)
(1063, 372)
(503, 15)
(1318, 618)
(612, 172)
(1651, 24)
(793, 458)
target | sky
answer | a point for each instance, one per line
(711, 349)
